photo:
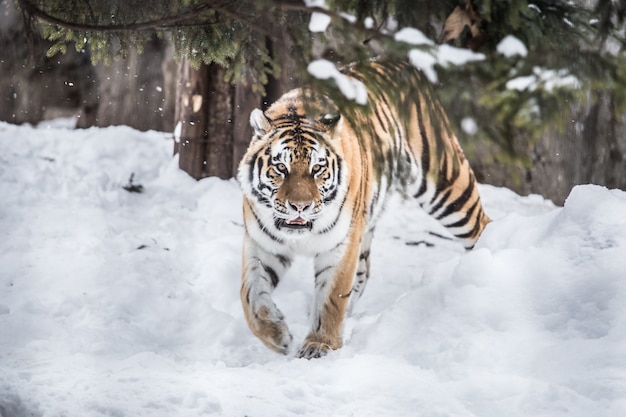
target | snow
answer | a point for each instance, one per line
(450, 55)
(351, 88)
(511, 46)
(443, 55)
(469, 126)
(412, 36)
(546, 79)
(319, 21)
(424, 61)
(127, 304)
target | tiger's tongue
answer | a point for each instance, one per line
(297, 220)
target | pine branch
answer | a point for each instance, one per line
(372, 33)
(186, 19)
(34, 11)
(237, 16)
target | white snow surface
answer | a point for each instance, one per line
(124, 304)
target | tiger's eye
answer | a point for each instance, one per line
(316, 168)
(282, 168)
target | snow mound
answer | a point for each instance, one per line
(127, 304)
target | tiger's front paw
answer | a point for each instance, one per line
(312, 348)
(269, 326)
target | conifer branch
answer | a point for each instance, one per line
(34, 11)
(186, 19)
(372, 33)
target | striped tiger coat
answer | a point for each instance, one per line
(315, 178)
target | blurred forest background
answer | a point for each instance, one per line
(539, 139)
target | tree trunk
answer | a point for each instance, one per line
(134, 91)
(204, 121)
(212, 117)
(246, 100)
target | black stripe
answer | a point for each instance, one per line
(248, 295)
(331, 196)
(439, 236)
(272, 275)
(380, 120)
(462, 222)
(422, 188)
(284, 260)
(425, 149)
(332, 303)
(263, 228)
(332, 225)
(474, 231)
(336, 168)
(254, 159)
(440, 203)
(286, 132)
(321, 271)
(458, 204)
(373, 202)
(338, 165)
(442, 181)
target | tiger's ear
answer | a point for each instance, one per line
(332, 122)
(259, 123)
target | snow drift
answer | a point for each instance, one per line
(127, 304)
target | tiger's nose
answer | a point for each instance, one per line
(300, 206)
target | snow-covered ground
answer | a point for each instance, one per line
(123, 304)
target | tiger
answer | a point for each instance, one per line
(315, 178)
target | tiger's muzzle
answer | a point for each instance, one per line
(301, 216)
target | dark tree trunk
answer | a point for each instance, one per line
(212, 117)
(246, 100)
(137, 91)
(205, 119)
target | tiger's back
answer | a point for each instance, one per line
(315, 179)
(413, 147)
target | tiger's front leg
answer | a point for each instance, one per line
(260, 275)
(334, 275)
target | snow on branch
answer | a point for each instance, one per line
(428, 54)
(511, 46)
(319, 21)
(352, 89)
(546, 79)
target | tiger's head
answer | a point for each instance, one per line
(292, 172)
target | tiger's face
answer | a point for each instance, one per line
(293, 172)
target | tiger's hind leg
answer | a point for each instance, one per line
(362, 271)
(458, 207)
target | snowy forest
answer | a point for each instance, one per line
(122, 124)
(519, 121)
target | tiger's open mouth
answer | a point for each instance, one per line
(297, 223)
